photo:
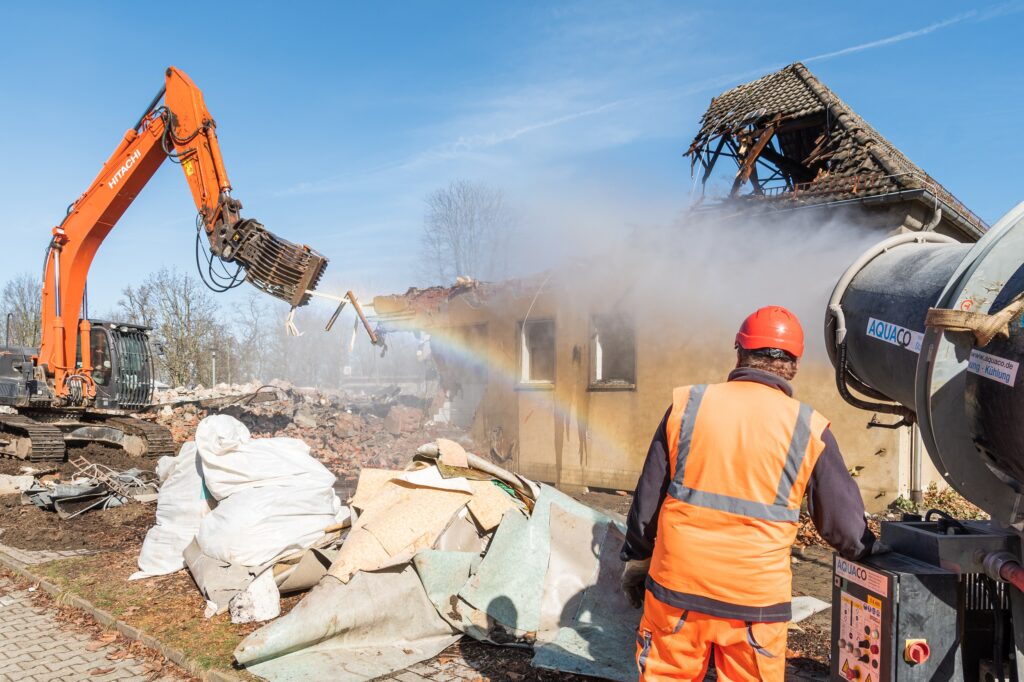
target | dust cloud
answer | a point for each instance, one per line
(694, 280)
(690, 281)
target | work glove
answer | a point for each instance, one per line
(880, 548)
(634, 579)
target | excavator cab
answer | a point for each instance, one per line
(122, 365)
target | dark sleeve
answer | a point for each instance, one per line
(835, 504)
(642, 523)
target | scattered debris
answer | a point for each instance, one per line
(15, 484)
(93, 486)
(470, 549)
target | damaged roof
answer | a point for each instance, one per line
(416, 302)
(811, 146)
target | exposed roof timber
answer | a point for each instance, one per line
(747, 167)
(848, 159)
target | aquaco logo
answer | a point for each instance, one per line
(895, 334)
(851, 570)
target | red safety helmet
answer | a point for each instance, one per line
(772, 327)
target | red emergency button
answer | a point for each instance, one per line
(916, 651)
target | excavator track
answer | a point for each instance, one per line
(158, 440)
(42, 435)
(29, 439)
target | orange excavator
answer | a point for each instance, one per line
(88, 376)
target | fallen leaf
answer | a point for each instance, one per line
(94, 646)
(101, 671)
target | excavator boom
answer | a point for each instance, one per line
(176, 125)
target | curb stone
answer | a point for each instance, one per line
(105, 619)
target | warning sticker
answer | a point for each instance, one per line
(992, 367)
(895, 334)
(858, 635)
(862, 575)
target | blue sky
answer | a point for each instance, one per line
(336, 119)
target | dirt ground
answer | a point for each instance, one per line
(173, 607)
(27, 527)
(809, 640)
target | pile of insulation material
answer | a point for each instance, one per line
(455, 546)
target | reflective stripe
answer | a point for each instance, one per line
(686, 430)
(757, 647)
(795, 457)
(733, 505)
(779, 511)
(645, 650)
(775, 613)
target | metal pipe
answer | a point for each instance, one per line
(150, 108)
(56, 280)
(934, 222)
(7, 337)
(1013, 573)
(1002, 566)
(916, 469)
(362, 316)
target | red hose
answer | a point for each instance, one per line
(1013, 573)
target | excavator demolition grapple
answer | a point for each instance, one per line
(88, 376)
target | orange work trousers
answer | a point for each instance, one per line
(673, 644)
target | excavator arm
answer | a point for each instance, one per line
(175, 125)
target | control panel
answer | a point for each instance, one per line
(893, 618)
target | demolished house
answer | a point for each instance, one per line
(564, 376)
(798, 146)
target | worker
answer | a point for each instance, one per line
(716, 512)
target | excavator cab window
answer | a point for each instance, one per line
(133, 366)
(102, 362)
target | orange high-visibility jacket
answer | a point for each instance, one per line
(740, 456)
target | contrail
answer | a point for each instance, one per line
(469, 143)
(891, 40)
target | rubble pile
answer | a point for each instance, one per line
(181, 394)
(344, 432)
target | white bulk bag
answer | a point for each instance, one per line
(256, 526)
(180, 506)
(273, 497)
(233, 460)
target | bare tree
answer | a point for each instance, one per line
(253, 333)
(22, 300)
(466, 233)
(185, 320)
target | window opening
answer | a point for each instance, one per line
(537, 351)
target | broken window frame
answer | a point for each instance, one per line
(524, 380)
(597, 350)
